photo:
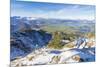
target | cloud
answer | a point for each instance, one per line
(71, 13)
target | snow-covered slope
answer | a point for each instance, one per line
(44, 56)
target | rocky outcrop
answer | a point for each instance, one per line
(24, 42)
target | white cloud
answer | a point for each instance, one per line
(66, 14)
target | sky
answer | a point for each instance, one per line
(52, 10)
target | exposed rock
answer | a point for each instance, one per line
(23, 43)
(76, 58)
(55, 59)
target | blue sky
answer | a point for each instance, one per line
(51, 10)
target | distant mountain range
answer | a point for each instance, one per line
(45, 20)
(29, 22)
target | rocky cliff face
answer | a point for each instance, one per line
(24, 39)
(24, 42)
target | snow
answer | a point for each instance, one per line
(65, 41)
(43, 59)
(43, 56)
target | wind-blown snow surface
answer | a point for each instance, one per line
(44, 56)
